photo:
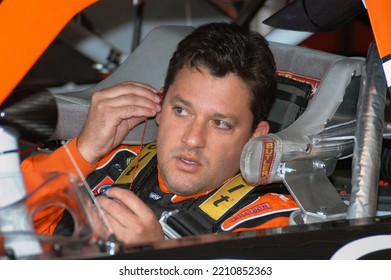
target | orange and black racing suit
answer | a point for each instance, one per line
(234, 206)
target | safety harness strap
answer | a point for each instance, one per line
(205, 214)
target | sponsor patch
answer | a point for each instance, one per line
(267, 159)
(268, 204)
(154, 196)
(107, 182)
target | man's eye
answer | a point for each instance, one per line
(222, 124)
(180, 111)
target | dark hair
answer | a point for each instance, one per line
(226, 48)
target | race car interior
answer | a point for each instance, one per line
(330, 127)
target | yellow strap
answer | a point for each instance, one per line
(226, 197)
(145, 156)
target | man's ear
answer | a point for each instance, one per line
(262, 129)
(157, 117)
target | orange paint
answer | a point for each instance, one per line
(379, 15)
(26, 30)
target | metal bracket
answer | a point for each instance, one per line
(308, 183)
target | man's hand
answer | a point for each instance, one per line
(113, 113)
(132, 221)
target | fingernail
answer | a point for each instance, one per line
(158, 97)
(106, 192)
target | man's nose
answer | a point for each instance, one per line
(195, 134)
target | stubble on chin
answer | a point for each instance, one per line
(180, 182)
(183, 185)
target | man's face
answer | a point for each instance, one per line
(204, 124)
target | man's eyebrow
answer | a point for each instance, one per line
(174, 99)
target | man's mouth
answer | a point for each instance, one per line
(188, 161)
(188, 164)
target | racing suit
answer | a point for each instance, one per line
(233, 206)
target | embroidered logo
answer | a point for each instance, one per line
(267, 160)
(269, 205)
(107, 182)
(154, 196)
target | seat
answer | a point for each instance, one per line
(304, 153)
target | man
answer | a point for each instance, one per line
(218, 91)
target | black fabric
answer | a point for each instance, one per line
(300, 101)
(66, 226)
(185, 224)
(112, 169)
(291, 101)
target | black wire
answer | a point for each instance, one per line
(138, 17)
(385, 168)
